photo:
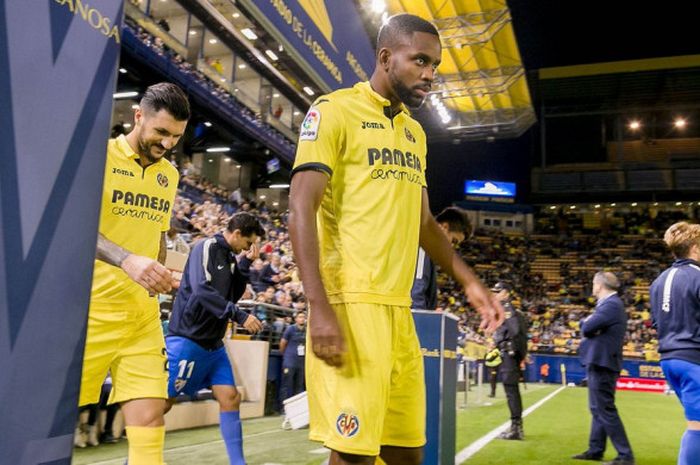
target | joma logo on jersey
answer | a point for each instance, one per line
(372, 125)
(347, 425)
(140, 200)
(122, 172)
(386, 156)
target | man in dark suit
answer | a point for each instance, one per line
(601, 354)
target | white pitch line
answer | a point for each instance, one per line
(120, 461)
(320, 451)
(480, 443)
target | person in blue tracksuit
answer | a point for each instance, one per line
(455, 223)
(601, 353)
(212, 282)
(293, 350)
(675, 308)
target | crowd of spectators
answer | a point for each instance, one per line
(554, 302)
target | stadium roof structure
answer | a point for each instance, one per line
(481, 90)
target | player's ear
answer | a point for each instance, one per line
(384, 57)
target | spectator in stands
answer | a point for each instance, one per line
(176, 243)
(675, 304)
(601, 354)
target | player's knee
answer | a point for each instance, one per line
(230, 401)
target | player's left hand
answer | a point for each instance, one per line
(491, 310)
(252, 324)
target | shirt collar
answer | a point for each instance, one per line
(685, 261)
(125, 148)
(600, 301)
(365, 88)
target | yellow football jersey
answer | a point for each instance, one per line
(369, 219)
(136, 207)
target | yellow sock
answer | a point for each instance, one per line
(146, 444)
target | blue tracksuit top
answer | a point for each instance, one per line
(213, 280)
(675, 308)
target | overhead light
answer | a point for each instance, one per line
(680, 123)
(634, 204)
(613, 204)
(135, 106)
(263, 197)
(553, 207)
(597, 205)
(656, 204)
(634, 125)
(275, 204)
(275, 95)
(127, 125)
(678, 204)
(280, 48)
(236, 15)
(248, 32)
(272, 55)
(211, 160)
(218, 149)
(193, 32)
(207, 124)
(308, 90)
(378, 6)
(297, 113)
(236, 89)
(242, 66)
(227, 159)
(279, 186)
(213, 41)
(129, 94)
(572, 207)
(238, 166)
(122, 70)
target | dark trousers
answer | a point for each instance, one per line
(605, 421)
(510, 374)
(493, 379)
(292, 380)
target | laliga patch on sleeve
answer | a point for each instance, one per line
(309, 127)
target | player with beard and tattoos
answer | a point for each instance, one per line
(124, 334)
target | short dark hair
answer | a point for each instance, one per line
(247, 223)
(403, 24)
(166, 96)
(457, 220)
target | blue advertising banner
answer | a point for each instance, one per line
(575, 372)
(437, 333)
(325, 35)
(58, 60)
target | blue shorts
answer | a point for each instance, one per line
(193, 368)
(684, 378)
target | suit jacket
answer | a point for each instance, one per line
(604, 334)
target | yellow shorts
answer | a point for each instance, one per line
(377, 398)
(130, 344)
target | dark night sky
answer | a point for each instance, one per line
(562, 33)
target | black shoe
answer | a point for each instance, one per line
(492, 395)
(588, 456)
(107, 438)
(619, 461)
(514, 433)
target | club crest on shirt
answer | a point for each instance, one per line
(162, 180)
(409, 136)
(179, 384)
(309, 127)
(347, 424)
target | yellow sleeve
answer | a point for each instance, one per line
(321, 138)
(174, 176)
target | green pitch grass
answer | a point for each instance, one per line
(554, 432)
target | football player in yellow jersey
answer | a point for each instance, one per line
(358, 213)
(124, 334)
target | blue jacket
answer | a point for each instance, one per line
(604, 334)
(675, 309)
(424, 290)
(212, 282)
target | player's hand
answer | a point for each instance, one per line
(150, 274)
(254, 252)
(327, 340)
(252, 324)
(492, 313)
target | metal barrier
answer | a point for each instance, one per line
(273, 317)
